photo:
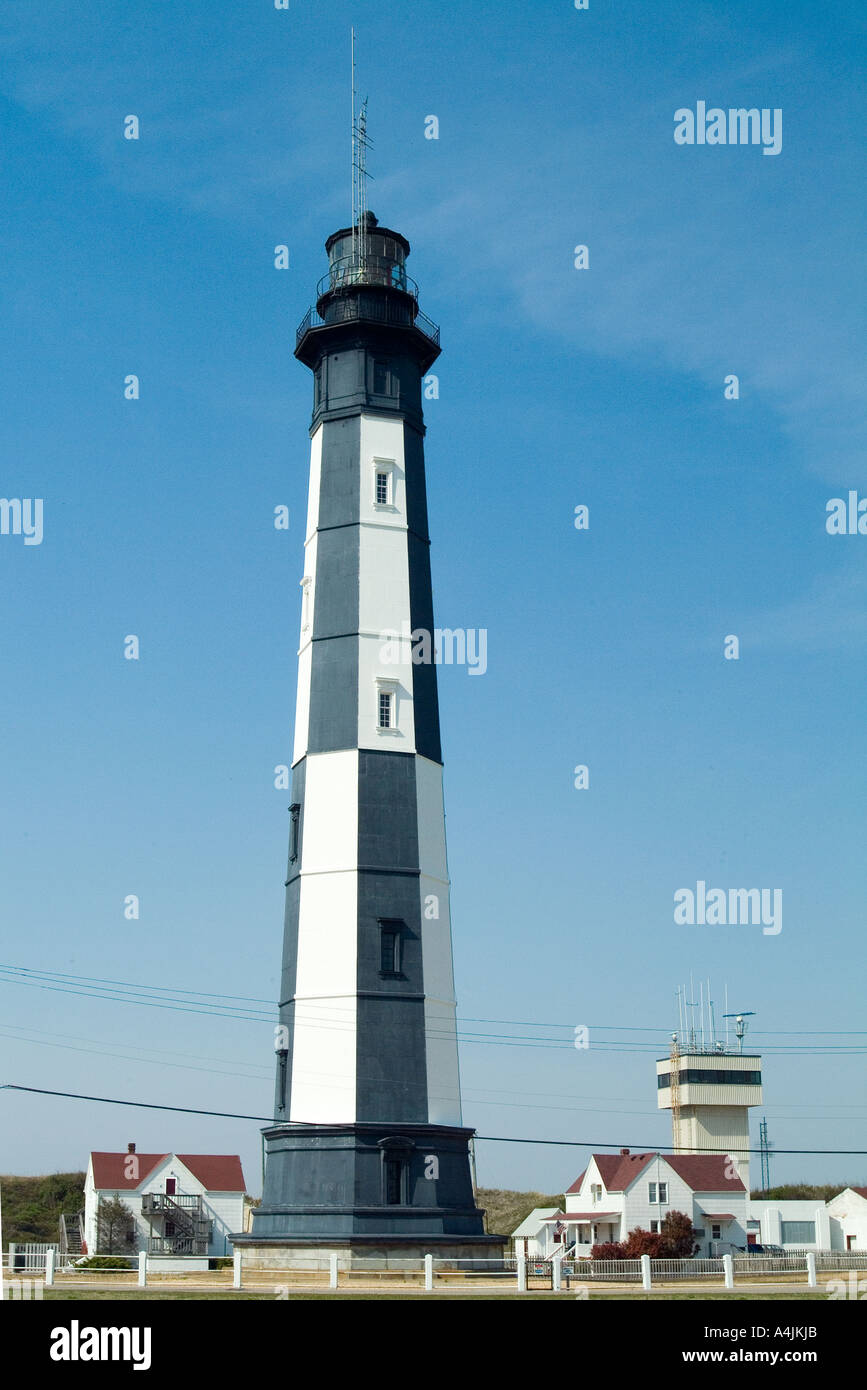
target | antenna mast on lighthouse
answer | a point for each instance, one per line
(361, 143)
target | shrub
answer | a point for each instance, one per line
(104, 1262)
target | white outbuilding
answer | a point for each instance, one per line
(848, 1217)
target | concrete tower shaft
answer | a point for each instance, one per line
(368, 1143)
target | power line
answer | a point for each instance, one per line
(185, 994)
(478, 1039)
(488, 1138)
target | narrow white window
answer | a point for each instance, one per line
(383, 483)
(386, 705)
(651, 1192)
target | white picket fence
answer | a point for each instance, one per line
(323, 1270)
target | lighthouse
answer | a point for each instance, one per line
(368, 1152)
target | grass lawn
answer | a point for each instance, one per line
(162, 1295)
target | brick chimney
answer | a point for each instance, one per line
(624, 1153)
(130, 1148)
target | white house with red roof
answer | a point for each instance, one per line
(183, 1204)
(619, 1192)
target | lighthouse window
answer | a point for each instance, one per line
(385, 699)
(381, 379)
(393, 1181)
(383, 482)
(305, 603)
(294, 813)
(390, 945)
(390, 952)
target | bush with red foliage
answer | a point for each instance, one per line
(674, 1242)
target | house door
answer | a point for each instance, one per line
(851, 1242)
(170, 1187)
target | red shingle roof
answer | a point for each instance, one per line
(701, 1172)
(619, 1170)
(705, 1172)
(108, 1170)
(862, 1191)
(216, 1172)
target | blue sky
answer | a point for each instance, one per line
(557, 387)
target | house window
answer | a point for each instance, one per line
(797, 1233)
(385, 709)
(716, 1231)
(654, 1227)
(390, 946)
(596, 1192)
(651, 1192)
(663, 1192)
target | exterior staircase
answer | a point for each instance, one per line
(72, 1233)
(178, 1224)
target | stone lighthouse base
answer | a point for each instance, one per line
(366, 1192)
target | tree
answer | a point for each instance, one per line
(116, 1234)
(678, 1241)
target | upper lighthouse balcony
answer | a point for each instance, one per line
(367, 280)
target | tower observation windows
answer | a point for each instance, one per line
(706, 1077)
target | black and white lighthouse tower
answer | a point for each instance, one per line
(367, 1149)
